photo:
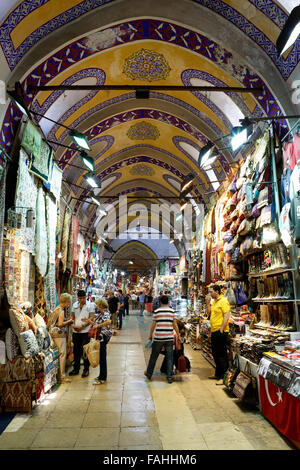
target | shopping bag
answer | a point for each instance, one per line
(92, 352)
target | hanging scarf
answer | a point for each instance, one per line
(41, 244)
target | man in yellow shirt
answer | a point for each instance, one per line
(218, 309)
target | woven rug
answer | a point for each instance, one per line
(65, 237)
(39, 296)
(75, 225)
(41, 245)
(51, 211)
(26, 196)
(56, 179)
(50, 294)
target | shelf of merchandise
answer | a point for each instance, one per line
(270, 272)
(272, 328)
(279, 300)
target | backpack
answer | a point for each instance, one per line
(183, 364)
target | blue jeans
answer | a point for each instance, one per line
(156, 348)
(142, 306)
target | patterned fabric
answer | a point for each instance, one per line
(18, 320)
(43, 338)
(69, 264)
(50, 294)
(39, 321)
(75, 225)
(65, 237)
(41, 162)
(12, 344)
(26, 195)
(16, 396)
(2, 213)
(51, 370)
(56, 179)
(41, 233)
(19, 368)
(31, 139)
(51, 211)
(39, 298)
(28, 343)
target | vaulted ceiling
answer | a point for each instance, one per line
(145, 147)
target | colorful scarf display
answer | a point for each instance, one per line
(75, 225)
(65, 237)
(51, 210)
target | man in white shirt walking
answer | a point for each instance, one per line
(83, 315)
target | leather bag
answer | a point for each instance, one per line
(245, 387)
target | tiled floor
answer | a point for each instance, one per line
(128, 412)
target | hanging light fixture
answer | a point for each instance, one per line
(87, 160)
(187, 182)
(79, 139)
(17, 97)
(240, 134)
(207, 155)
(183, 205)
(290, 32)
(90, 179)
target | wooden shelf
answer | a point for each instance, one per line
(270, 272)
(281, 300)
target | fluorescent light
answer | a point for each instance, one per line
(187, 182)
(290, 32)
(130, 262)
(89, 177)
(102, 211)
(239, 137)
(95, 201)
(87, 160)
(183, 205)
(79, 139)
(205, 154)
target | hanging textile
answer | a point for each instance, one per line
(65, 237)
(26, 196)
(75, 225)
(50, 293)
(31, 139)
(56, 179)
(2, 213)
(41, 162)
(69, 264)
(41, 245)
(51, 211)
(39, 298)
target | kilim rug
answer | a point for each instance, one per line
(39, 297)
(65, 237)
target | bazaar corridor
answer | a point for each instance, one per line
(128, 412)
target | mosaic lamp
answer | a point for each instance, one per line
(79, 139)
(290, 32)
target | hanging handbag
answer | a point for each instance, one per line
(231, 374)
(245, 387)
(240, 294)
(230, 295)
(91, 350)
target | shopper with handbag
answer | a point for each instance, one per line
(58, 329)
(102, 323)
(218, 309)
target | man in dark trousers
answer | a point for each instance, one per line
(121, 310)
(126, 304)
(83, 315)
(113, 303)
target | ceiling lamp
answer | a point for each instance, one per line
(90, 179)
(290, 32)
(207, 155)
(183, 205)
(240, 134)
(87, 160)
(187, 182)
(17, 97)
(130, 262)
(79, 139)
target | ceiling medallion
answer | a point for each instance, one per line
(142, 170)
(146, 65)
(142, 131)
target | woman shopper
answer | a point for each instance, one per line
(103, 322)
(58, 329)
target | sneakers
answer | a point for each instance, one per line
(99, 382)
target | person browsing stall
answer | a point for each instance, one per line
(83, 313)
(103, 322)
(218, 309)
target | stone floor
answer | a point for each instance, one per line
(128, 412)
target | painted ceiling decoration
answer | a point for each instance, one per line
(146, 65)
(144, 147)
